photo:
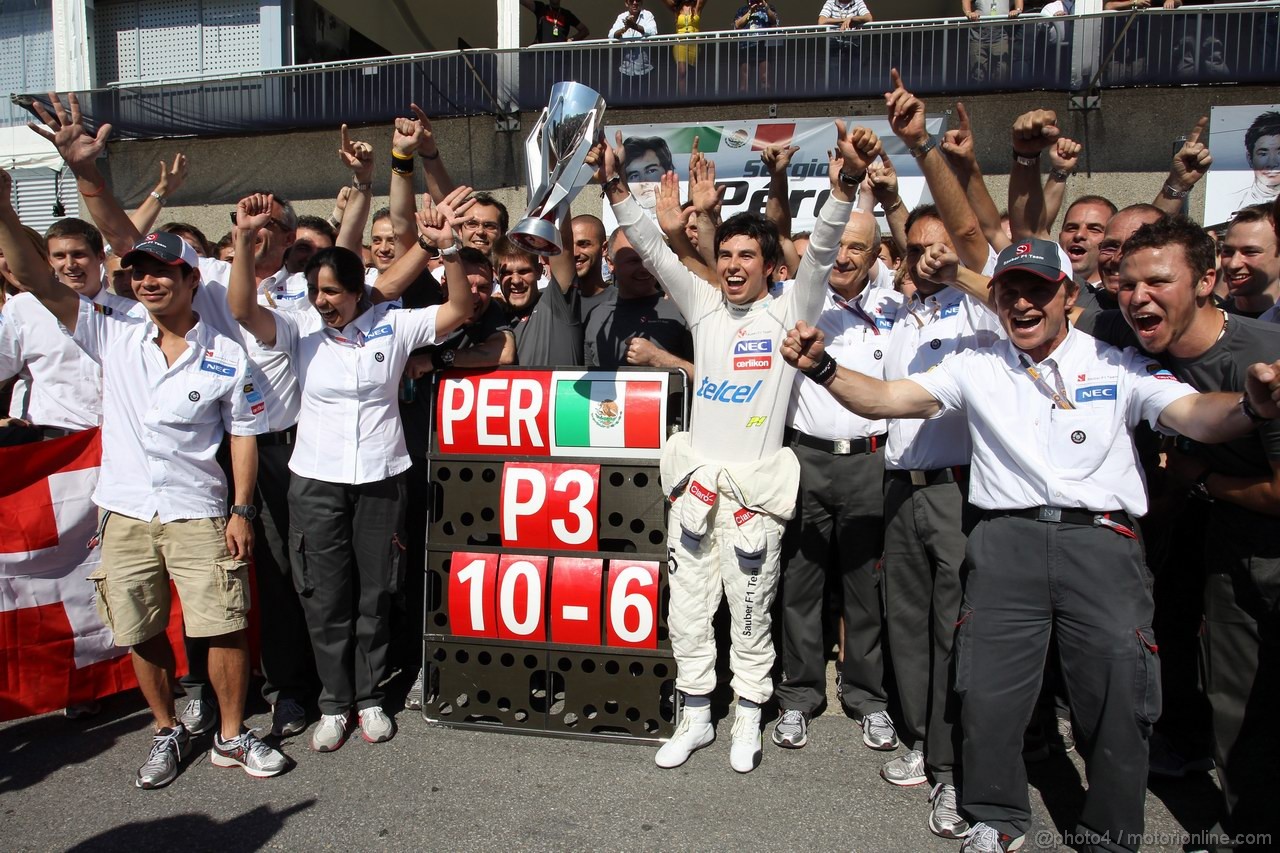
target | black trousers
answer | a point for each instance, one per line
(924, 547)
(837, 528)
(287, 663)
(1241, 641)
(1091, 586)
(346, 547)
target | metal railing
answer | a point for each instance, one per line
(1195, 45)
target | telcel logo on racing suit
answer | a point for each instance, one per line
(728, 392)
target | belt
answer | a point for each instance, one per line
(1115, 519)
(933, 477)
(273, 439)
(839, 446)
(47, 433)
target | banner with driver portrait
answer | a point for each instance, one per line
(735, 147)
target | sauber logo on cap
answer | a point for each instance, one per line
(153, 237)
(1023, 249)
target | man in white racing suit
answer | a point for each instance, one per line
(731, 482)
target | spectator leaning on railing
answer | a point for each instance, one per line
(756, 15)
(554, 22)
(989, 48)
(636, 22)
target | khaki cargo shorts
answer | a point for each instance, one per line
(139, 558)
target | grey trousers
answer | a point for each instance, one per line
(837, 529)
(1090, 585)
(345, 545)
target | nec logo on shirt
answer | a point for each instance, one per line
(379, 332)
(217, 367)
(1095, 393)
(753, 347)
(951, 310)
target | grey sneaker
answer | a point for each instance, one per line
(905, 770)
(376, 726)
(944, 816)
(792, 730)
(249, 754)
(878, 731)
(287, 718)
(166, 754)
(413, 699)
(199, 717)
(331, 732)
(985, 839)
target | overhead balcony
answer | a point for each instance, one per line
(1217, 45)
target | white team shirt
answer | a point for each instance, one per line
(162, 424)
(1029, 453)
(349, 427)
(742, 386)
(274, 375)
(927, 331)
(857, 336)
(65, 385)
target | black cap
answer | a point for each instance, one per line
(1041, 257)
(165, 247)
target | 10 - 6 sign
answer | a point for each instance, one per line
(504, 596)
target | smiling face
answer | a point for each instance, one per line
(518, 276)
(588, 246)
(1033, 311)
(856, 255)
(1250, 258)
(629, 274)
(1264, 159)
(1081, 233)
(482, 227)
(1119, 228)
(742, 268)
(76, 264)
(382, 244)
(164, 290)
(306, 243)
(336, 305)
(1161, 296)
(924, 232)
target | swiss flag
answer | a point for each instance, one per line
(54, 649)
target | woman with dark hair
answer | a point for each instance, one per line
(347, 492)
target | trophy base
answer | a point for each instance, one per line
(538, 236)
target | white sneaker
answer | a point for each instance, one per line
(694, 732)
(744, 743)
(376, 726)
(331, 732)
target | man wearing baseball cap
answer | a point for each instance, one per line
(1050, 411)
(172, 387)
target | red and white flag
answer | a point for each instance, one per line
(54, 649)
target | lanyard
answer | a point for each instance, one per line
(346, 342)
(933, 310)
(858, 311)
(1059, 395)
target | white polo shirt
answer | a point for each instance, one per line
(275, 376)
(162, 424)
(349, 428)
(857, 337)
(928, 330)
(1027, 452)
(65, 385)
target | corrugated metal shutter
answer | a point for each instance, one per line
(26, 53)
(34, 197)
(150, 39)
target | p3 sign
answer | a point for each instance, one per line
(550, 506)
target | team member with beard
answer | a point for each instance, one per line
(588, 247)
(1050, 412)
(1119, 228)
(347, 494)
(732, 483)
(1167, 308)
(547, 324)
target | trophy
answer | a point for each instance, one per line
(555, 164)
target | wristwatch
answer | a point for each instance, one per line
(924, 147)
(246, 511)
(1200, 488)
(364, 188)
(851, 180)
(443, 359)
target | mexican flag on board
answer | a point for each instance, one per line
(609, 414)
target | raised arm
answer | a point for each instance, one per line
(1190, 164)
(777, 208)
(706, 199)
(938, 263)
(405, 138)
(252, 213)
(906, 117)
(405, 270)
(358, 157)
(1032, 133)
(673, 221)
(1064, 157)
(864, 396)
(64, 128)
(171, 180)
(958, 146)
(1217, 417)
(883, 178)
(28, 268)
(439, 224)
(439, 184)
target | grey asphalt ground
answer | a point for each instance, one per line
(68, 785)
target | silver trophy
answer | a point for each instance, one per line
(555, 164)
